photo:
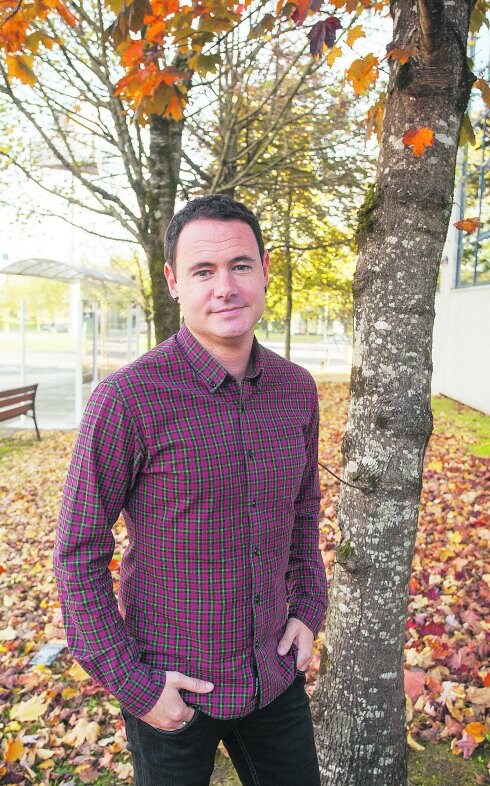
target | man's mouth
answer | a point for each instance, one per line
(228, 310)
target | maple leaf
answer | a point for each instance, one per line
(321, 33)
(32, 709)
(20, 67)
(14, 749)
(414, 682)
(354, 33)
(362, 73)
(467, 225)
(77, 673)
(400, 53)
(418, 139)
(13, 32)
(132, 52)
(332, 56)
(483, 86)
(174, 108)
(303, 7)
(83, 730)
(477, 730)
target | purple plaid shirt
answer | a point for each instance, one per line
(218, 486)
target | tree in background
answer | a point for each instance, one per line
(47, 302)
(281, 137)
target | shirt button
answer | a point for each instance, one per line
(257, 642)
(256, 551)
(254, 502)
(257, 599)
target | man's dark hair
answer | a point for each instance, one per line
(218, 206)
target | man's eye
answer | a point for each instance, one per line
(243, 267)
(202, 273)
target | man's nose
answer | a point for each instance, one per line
(224, 285)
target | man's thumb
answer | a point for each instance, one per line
(284, 645)
(194, 685)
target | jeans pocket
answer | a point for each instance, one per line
(174, 732)
(301, 674)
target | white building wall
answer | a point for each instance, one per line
(461, 350)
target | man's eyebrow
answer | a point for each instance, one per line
(240, 258)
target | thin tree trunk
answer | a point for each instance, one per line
(359, 705)
(165, 156)
(289, 303)
(289, 277)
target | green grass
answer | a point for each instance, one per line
(18, 442)
(435, 766)
(438, 766)
(473, 426)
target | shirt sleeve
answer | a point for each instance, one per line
(306, 580)
(103, 469)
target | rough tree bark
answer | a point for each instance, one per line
(359, 706)
(288, 278)
(165, 156)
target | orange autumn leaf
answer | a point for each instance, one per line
(114, 564)
(20, 67)
(362, 73)
(174, 109)
(66, 14)
(467, 225)
(13, 32)
(484, 87)
(486, 679)
(477, 730)
(418, 139)
(133, 53)
(14, 750)
(3, 569)
(401, 54)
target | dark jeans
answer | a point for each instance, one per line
(272, 746)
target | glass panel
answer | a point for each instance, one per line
(483, 263)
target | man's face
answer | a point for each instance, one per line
(219, 279)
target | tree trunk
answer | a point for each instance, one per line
(289, 276)
(359, 705)
(165, 155)
(289, 303)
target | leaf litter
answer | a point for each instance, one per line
(58, 727)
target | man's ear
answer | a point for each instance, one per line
(171, 280)
(265, 264)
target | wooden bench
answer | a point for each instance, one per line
(18, 401)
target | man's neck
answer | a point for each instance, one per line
(235, 357)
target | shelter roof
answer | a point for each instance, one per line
(61, 271)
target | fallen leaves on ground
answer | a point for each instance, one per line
(58, 727)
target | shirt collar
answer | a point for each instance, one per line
(207, 366)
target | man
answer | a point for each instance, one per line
(208, 445)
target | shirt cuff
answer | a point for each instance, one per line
(311, 613)
(141, 692)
